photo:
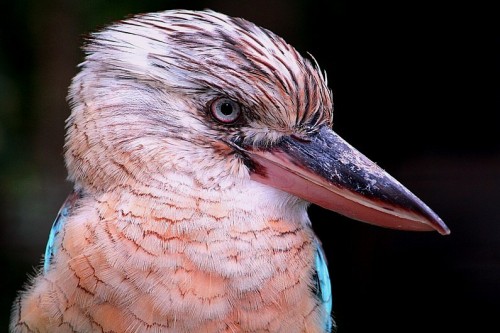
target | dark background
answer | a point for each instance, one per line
(416, 89)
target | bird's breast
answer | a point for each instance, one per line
(244, 258)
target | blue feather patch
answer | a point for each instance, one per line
(62, 216)
(323, 288)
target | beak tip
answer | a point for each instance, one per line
(433, 221)
(438, 225)
(443, 230)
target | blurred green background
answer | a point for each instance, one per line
(416, 89)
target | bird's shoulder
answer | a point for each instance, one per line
(322, 286)
(61, 218)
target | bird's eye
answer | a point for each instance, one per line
(225, 110)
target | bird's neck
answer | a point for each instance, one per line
(210, 226)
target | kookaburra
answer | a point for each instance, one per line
(195, 143)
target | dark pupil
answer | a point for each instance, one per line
(226, 109)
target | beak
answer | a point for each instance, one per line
(325, 170)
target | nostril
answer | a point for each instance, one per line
(300, 137)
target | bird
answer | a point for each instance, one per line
(195, 144)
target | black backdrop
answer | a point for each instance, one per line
(416, 90)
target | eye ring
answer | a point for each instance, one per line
(225, 110)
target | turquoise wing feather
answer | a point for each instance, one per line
(62, 216)
(322, 286)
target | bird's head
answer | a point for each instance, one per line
(217, 100)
